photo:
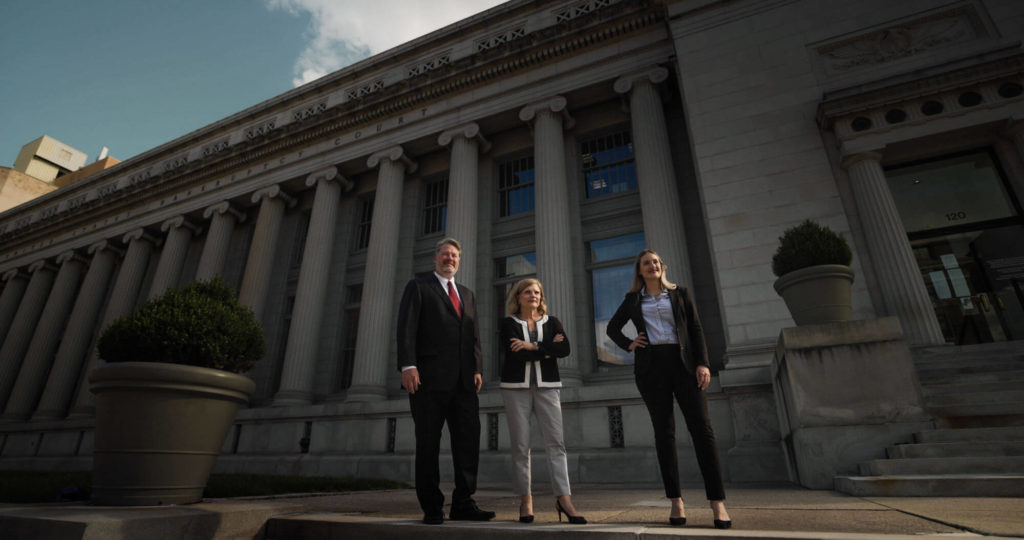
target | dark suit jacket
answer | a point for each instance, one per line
(693, 350)
(444, 347)
(513, 363)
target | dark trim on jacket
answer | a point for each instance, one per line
(693, 349)
(518, 366)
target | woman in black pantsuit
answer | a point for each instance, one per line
(671, 360)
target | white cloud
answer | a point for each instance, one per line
(345, 31)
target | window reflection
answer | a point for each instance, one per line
(611, 275)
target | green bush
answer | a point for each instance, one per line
(200, 325)
(809, 244)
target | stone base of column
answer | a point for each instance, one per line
(292, 398)
(362, 394)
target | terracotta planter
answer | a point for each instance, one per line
(817, 294)
(159, 430)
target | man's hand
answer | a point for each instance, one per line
(478, 381)
(411, 380)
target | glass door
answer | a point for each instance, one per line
(967, 234)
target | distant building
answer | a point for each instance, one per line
(16, 187)
(47, 159)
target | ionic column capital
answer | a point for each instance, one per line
(395, 154)
(652, 75)
(851, 160)
(272, 192)
(69, 255)
(557, 105)
(223, 207)
(178, 222)
(40, 265)
(138, 234)
(102, 245)
(327, 175)
(11, 274)
(468, 131)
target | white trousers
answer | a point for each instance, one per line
(546, 403)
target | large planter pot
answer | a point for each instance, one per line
(159, 429)
(817, 294)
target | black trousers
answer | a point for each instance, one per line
(460, 408)
(667, 378)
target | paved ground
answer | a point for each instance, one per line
(613, 512)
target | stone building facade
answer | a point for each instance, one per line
(554, 139)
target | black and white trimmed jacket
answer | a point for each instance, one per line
(517, 367)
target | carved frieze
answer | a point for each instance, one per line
(501, 38)
(261, 129)
(582, 8)
(429, 64)
(214, 148)
(363, 90)
(309, 111)
(943, 29)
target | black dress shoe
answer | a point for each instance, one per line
(723, 523)
(677, 521)
(470, 512)
(433, 519)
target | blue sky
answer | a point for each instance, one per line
(133, 74)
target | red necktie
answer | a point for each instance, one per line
(454, 298)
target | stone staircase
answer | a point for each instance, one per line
(976, 395)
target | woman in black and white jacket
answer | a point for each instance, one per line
(531, 344)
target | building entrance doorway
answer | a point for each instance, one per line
(966, 230)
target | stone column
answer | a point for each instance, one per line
(377, 310)
(298, 373)
(78, 335)
(23, 327)
(655, 174)
(10, 299)
(40, 353)
(123, 298)
(215, 250)
(551, 218)
(898, 275)
(1015, 130)
(172, 257)
(466, 143)
(260, 263)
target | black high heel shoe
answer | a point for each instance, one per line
(677, 521)
(575, 520)
(723, 523)
(524, 519)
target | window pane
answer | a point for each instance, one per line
(517, 265)
(515, 186)
(610, 286)
(619, 247)
(435, 206)
(608, 165)
(949, 192)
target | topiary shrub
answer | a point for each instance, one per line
(809, 244)
(200, 325)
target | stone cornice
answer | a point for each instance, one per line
(202, 156)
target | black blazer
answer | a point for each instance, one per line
(690, 333)
(444, 347)
(514, 364)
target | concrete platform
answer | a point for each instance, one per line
(614, 512)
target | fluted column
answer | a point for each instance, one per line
(376, 313)
(67, 365)
(553, 241)
(260, 263)
(215, 249)
(898, 275)
(172, 256)
(10, 299)
(123, 298)
(23, 327)
(656, 176)
(1015, 130)
(298, 373)
(463, 178)
(39, 357)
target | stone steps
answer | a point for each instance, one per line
(929, 485)
(956, 449)
(1013, 433)
(942, 465)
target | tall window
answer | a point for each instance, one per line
(515, 186)
(435, 205)
(611, 271)
(364, 217)
(353, 296)
(608, 165)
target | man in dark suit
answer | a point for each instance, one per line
(439, 357)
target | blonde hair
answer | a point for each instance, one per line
(638, 279)
(512, 302)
